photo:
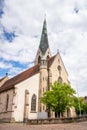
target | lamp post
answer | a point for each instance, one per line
(78, 101)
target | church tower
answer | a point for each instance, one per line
(43, 50)
(42, 57)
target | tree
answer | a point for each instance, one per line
(80, 105)
(59, 98)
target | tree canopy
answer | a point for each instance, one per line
(80, 105)
(59, 98)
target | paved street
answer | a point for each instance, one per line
(70, 126)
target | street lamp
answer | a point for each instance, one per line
(78, 101)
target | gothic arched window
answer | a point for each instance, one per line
(7, 101)
(59, 67)
(39, 60)
(33, 103)
(60, 80)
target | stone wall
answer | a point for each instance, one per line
(6, 107)
(57, 120)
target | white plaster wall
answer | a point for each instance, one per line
(32, 85)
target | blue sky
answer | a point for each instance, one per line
(20, 31)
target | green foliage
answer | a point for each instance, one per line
(80, 105)
(59, 98)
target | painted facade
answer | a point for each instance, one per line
(20, 95)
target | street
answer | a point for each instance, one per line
(68, 126)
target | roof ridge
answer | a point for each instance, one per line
(50, 61)
(25, 71)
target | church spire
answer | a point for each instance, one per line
(44, 39)
(43, 50)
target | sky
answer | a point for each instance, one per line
(21, 24)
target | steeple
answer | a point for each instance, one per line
(44, 39)
(43, 50)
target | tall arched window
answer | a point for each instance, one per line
(39, 60)
(33, 103)
(7, 101)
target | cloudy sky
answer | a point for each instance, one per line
(20, 31)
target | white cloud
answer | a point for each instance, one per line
(67, 30)
(20, 50)
(4, 65)
(14, 71)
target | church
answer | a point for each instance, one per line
(20, 95)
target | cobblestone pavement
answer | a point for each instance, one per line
(68, 126)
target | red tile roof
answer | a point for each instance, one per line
(9, 84)
(20, 77)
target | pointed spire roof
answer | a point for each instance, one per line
(44, 39)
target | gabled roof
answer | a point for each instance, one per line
(63, 63)
(2, 79)
(50, 61)
(19, 78)
(9, 84)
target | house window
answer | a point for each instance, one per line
(7, 101)
(60, 80)
(33, 103)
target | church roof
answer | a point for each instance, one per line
(2, 79)
(9, 84)
(44, 39)
(19, 78)
(50, 61)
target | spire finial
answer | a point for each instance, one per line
(45, 16)
(57, 51)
